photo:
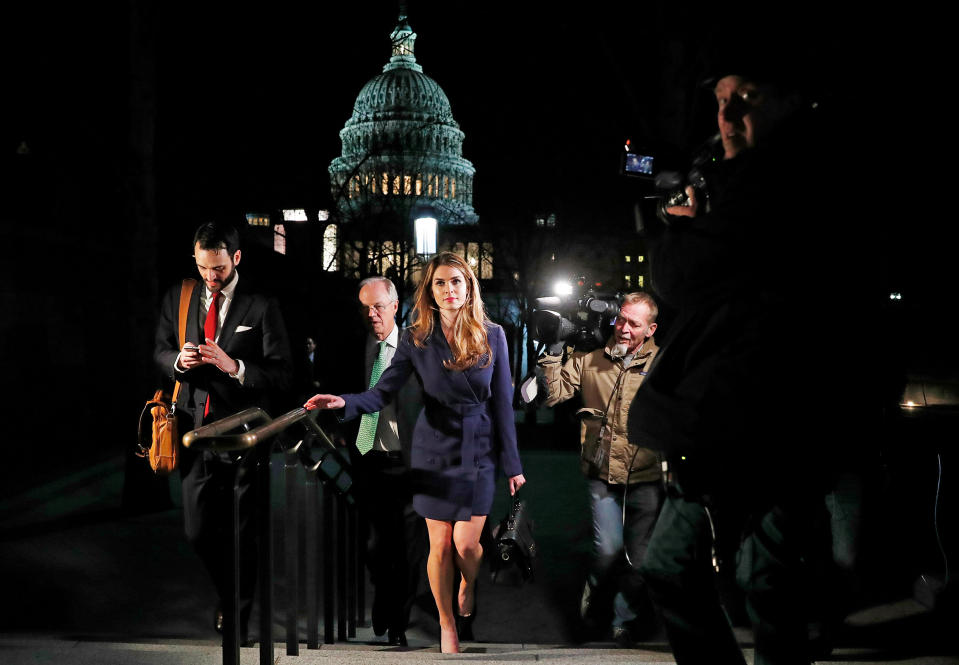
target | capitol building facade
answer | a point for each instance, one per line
(401, 159)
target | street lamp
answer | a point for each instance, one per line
(424, 231)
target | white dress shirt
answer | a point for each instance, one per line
(226, 298)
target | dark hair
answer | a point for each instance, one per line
(213, 235)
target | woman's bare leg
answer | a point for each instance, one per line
(439, 569)
(468, 553)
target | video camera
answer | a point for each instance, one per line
(670, 185)
(580, 321)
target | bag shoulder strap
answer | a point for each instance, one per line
(186, 294)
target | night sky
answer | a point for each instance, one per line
(248, 104)
(249, 101)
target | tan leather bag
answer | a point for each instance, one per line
(159, 415)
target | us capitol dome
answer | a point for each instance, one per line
(401, 149)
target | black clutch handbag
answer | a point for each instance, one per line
(513, 542)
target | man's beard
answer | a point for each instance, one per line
(620, 349)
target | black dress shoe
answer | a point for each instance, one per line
(218, 620)
(397, 638)
(380, 617)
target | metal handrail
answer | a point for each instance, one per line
(220, 435)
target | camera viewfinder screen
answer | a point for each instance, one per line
(639, 164)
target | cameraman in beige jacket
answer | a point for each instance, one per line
(617, 472)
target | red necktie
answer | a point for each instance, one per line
(209, 332)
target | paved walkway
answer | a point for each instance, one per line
(83, 582)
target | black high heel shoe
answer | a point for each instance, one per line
(464, 627)
(464, 623)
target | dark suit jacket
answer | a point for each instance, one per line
(253, 332)
(344, 371)
(409, 403)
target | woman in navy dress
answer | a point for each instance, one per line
(465, 430)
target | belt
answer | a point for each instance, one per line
(469, 415)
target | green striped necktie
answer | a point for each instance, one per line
(367, 434)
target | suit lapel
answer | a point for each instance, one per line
(455, 378)
(237, 312)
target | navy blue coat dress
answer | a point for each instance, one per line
(465, 429)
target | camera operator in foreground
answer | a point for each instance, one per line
(617, 471)
(735, 398)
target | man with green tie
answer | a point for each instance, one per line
(397, 537)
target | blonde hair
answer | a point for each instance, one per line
(469, 341)
(641, 298)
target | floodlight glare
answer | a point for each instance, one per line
(562, 288)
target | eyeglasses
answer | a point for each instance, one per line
(379, 307)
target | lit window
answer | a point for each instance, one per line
(396, 185)
(419, 185)
(486, 266)
(385, 183)
(388, 257)
(453, 188)
(407, 184)
(446, 187)
(254, 219)
(329, 248)
(294, 215)
(279, 239)
(628, 281)
(628, 258)
(472, 255)
(640, 258)
(639, 281)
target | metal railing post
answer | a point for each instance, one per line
(291, 548)
(337, 516)
(312, 554)
(351, 550)
(328, 564)
(265, 550)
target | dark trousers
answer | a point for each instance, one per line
(679, 575)
(620, 541)
(397, 542)
(208, 480)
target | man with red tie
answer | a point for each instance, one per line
(235, 355)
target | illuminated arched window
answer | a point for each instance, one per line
(386, 183)
(329, 248)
